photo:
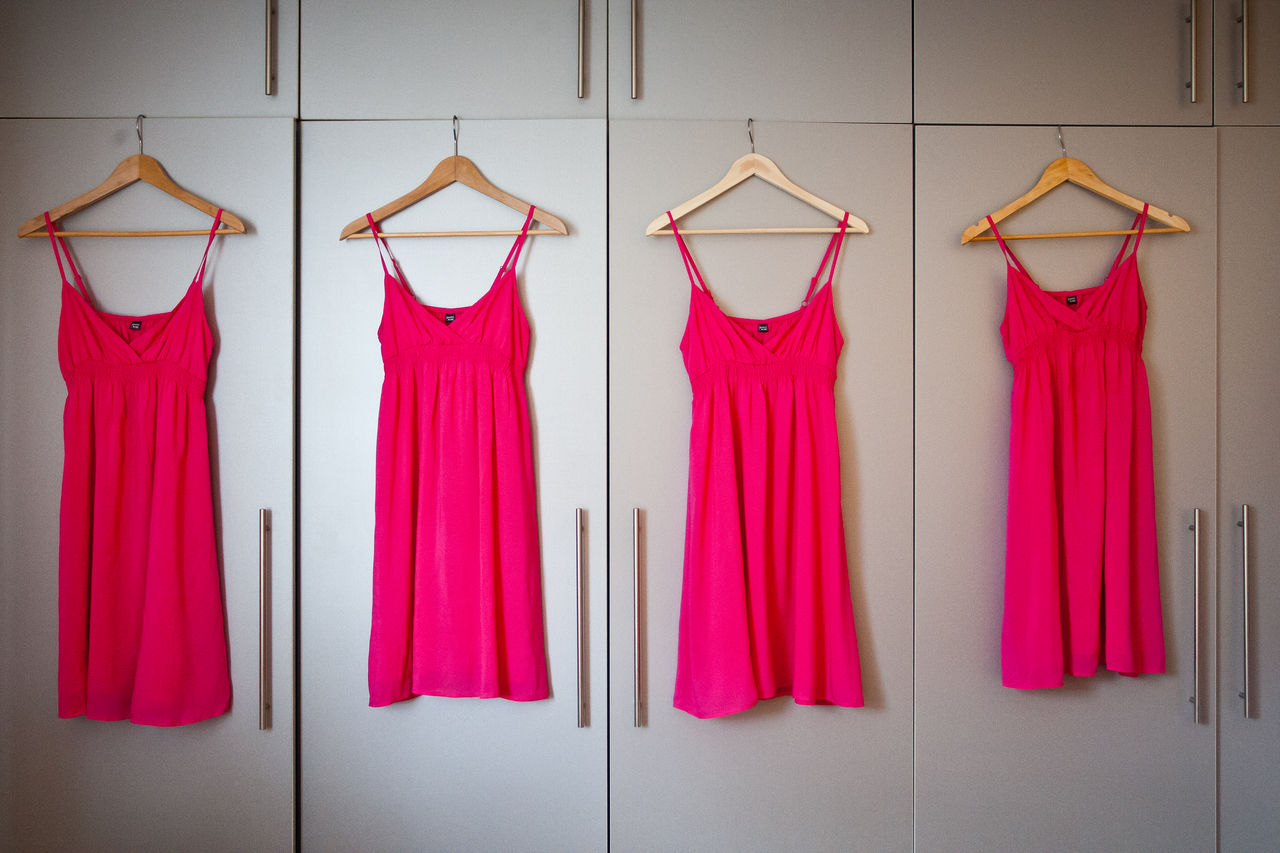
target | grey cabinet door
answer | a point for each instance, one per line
(990, 62)
(1249, 474)
(220, 784)
(780, 775)
(122, 57)
(811, 60)
(1104, 762)
(434, 772)
(486, 59)
(1263, 40)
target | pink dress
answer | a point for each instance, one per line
(140, 621)
(457, 589)
(1082, 582)
(765, 609)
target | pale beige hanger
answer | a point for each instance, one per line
(1068, 169)
(130, 170)
(455, 169)
(759, 166)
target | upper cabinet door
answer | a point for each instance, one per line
(481, 59)
(994, 62)
(121, 57)
(1254, 72)
(806, 60)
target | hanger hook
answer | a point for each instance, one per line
(455, 136)
(751, 133)
(1061, 144)
(137, 127)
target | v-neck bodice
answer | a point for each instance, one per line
(805, 342)
(494, 329)
(1037, 320)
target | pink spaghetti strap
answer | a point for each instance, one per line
(57, 256)
(513, 256)
(1009, 256)
(213, 232)
(1139, 222)
(695, 277)
(832, 254)
(382, 246)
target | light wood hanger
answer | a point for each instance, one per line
(454, 169)
(759, 166)
(130, 170)
(1068, 169)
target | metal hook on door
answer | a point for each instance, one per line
(751, 134)
(1062, 145)
(137, 127)
(455, 136)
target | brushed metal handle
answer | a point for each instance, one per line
(1243, 21)
(1192, 20)
(582, 48)
(635, 41)
(270, 40)
(1197, 695)
(637, 587)
(1246, 694)
(580, 537)
(264, 619)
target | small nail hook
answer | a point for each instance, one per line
(751, 133)
(1061, 144)
(137, 127)
(455, 136)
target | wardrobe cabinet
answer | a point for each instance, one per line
(221, 784)
(1263, 40)
(807, 60)
(1105, 762)
(122, 57)
(779, 775)
(449, 773)
(483, 59)
(992, 62)
(1249, 474)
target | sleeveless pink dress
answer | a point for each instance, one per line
(457, 588)
(1082, 581)
(765, 609)
(140, 621)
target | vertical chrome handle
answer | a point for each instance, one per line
(270, 40)
(1243, 524)
(1243, 21)
(264, 619)
(582, 48)
(637, 586)
(580, 538)
(635, 40)
(1193, 20)
(1197, 695)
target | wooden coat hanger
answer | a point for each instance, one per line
(1068, 169)
(759, 166)
(130, 170)
(455, 169)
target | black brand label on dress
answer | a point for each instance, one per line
(136, 325)
(1072, 300)
(762, 327)
(449, 318)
